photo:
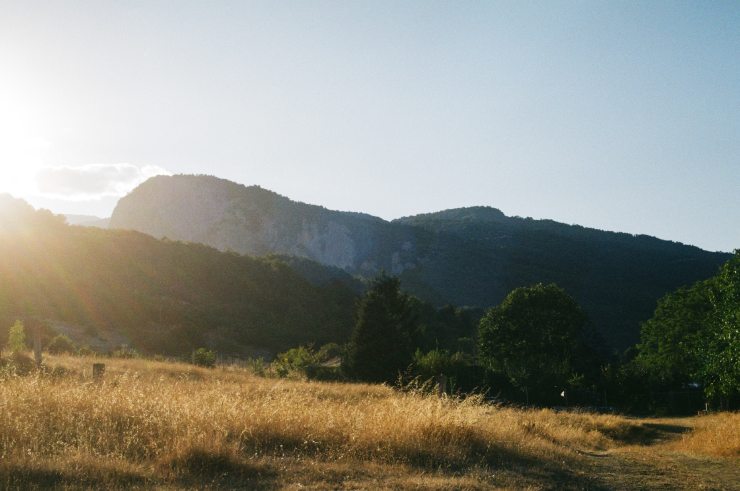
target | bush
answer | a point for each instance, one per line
(21, 364)
(330, 351)
(298, 360)
(61, 344)
(323, 364)
(204, 357)
(257, 366)
(17, 337)
(86, 350)
(125, 352)
(459, 368)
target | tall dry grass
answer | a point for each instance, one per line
(715, 435)
(148, 410)
(173, 419)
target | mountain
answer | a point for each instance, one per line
(163, 296)
(255, 221)
(468, 256)
(87, 220)
(616, 277)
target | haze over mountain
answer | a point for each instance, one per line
(160, 296)
(468, 256)
(86, 220)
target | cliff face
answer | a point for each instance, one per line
(467, 256)
(255, 221)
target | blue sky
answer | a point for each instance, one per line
(616, 115)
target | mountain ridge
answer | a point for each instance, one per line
(470, 256)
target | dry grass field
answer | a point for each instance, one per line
(166, 425)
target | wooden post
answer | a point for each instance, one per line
(37, 344)
(98, 370)
(441, 386)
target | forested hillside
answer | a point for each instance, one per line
(470, 256)
(164, 296)
(480, 255)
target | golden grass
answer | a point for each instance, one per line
(155, 422)
(715, 435)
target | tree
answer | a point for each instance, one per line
(383, 339)
(61, 344)
(694, 336)
(534, 337)
(719, 349)
(669, 341)
(17, 337)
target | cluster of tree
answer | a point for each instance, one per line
(58, 344)
(537, 346)
(531, 347)
(694, 338)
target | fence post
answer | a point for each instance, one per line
(441, 385)
(98, 370)
(37, 344)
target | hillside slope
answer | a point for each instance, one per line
(167, 297)
(616, 277)
(469, 256)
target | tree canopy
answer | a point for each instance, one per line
(694, 336)
(534, 337)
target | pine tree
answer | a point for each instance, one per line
(383, 339)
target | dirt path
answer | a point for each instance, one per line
(650, 463)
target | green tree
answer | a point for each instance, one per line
(17, 337)
(694, 336)
(719, 349)
(382, 342)
(534, 337)
(204, 357)
(670, 341)
(61, 344)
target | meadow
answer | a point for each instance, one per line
(168, 425)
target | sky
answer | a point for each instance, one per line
(620, 115)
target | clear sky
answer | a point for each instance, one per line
(617, 115)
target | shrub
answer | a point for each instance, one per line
(17, 337)
(295, 360)
(125, 351)
(257, 366)
(204, 357)
(86, 350)
(61, 344)
(20, 363)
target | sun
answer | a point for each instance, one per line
(22, 148)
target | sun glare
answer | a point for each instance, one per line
(22, 147)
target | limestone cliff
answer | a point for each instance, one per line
(255, 221)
